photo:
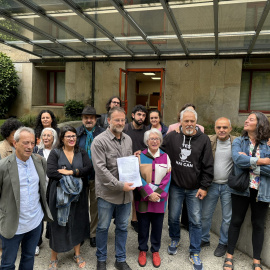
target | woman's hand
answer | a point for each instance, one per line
(154, 197)
(263, 161)
(137, 153)
(242, 153)
(65, 172)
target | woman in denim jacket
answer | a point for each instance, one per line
(257, 195)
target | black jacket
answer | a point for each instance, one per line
(191, 158)
(81, 137)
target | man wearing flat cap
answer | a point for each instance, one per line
(86, 134)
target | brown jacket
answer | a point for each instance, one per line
(213, 140)
(5, 149)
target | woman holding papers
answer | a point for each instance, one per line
(151, 197)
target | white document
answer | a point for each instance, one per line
(128, 169)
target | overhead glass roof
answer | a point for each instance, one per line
(136, 29)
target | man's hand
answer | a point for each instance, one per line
(263, 161)
(154, 197)
(137, 153)
(201, 194)
(127, 187)
(242, 153)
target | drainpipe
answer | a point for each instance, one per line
(94, 64)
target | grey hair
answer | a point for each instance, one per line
(223, 118)
(20, 130)
(150, 131)
(55, 138)
(188, 110)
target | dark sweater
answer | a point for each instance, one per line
(136, 136)
(191, 158)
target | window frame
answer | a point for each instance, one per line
(250, 90)
(54, 89)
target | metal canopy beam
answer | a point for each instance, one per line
(216, 25)
(174, 24)
(42, 13)
(259, 26)
(29, 41)
(77, 9)
(132, 22)
(18, 48)
(37, 31)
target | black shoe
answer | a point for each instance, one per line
(101, 265)
(205, 244)
(121, 265)
(135, 226)
(93, 242)
(220, 250)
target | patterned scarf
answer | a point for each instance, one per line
(89, 141)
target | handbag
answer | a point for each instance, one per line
(240, 182)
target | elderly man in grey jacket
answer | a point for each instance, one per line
(22, 201)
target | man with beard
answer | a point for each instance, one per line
(85, 136)
(112, 195)
(192, 172)
(135, 130)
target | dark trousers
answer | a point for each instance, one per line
(144, 222)
(240, 206)
(28, 243)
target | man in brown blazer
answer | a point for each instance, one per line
(22, 201)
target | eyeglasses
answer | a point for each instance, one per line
(71, 137)
(154, 139)
(115, 102)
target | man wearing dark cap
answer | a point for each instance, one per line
(85, 136)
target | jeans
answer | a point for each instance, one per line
(259, 210)
(28, 243)
(145, 221)
(194, 208)
(105, 212)
(216, 191)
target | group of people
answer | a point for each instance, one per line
(54, 175)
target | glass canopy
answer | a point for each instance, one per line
(134, 29)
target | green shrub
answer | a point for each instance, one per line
(28, 120)
(9, 82)
(73, 109)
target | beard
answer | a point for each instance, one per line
(137, 122)
(189, 131)
(116, 129)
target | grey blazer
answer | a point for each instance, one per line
(10, 193)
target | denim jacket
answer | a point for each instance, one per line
(242, 144)
(68, 192)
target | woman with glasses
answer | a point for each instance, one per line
(48, 141)
(151, 198)
(68, 167)
(113, 101)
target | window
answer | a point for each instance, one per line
(56, 88)
(255, 91)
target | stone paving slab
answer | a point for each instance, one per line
(168, 262)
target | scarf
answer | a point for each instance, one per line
(89, 140)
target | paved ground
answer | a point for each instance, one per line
(178, 261)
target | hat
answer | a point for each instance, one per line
(90, 111)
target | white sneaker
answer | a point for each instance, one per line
(37, 251)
